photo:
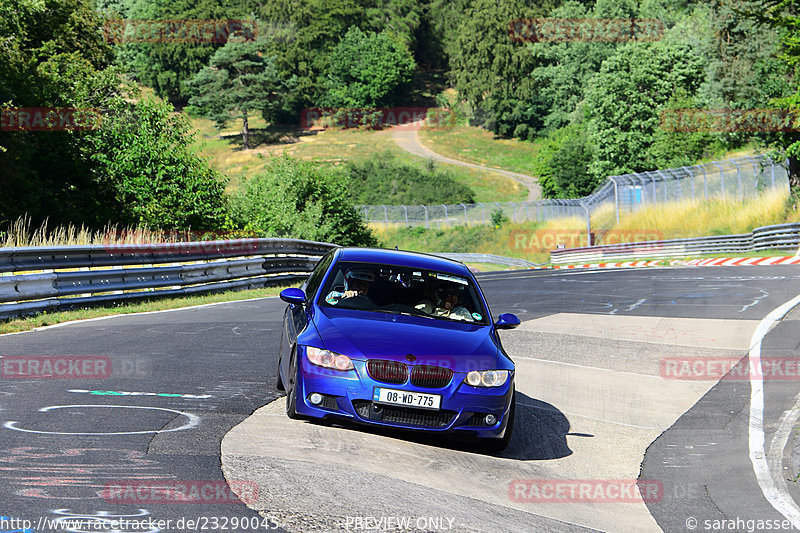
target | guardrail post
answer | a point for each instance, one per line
(755, 175)
(588, 224)
(616, 195)
(772, 168)
(721, 176)
(705, 183)
(691, 179)
(738, 178)
(664, 179)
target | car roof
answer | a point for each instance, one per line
(403, 258)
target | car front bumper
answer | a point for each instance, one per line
(349, 395)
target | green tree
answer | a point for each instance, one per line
(492, 73)
(626, 96)
(136, 168)
(300, 199)
(147, 173)
(48, 53)
(563, 161)
(784, 16)
(165, 64)
(240, 79)
(365, 69)
(318, 25)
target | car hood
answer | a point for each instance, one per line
(367, 335)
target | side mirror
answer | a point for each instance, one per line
(293, 295)
(507, 321)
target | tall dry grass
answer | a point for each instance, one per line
(717, 216)
(21, 233)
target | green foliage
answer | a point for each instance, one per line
(49, 55)
(499, 218)
(491, 72)
(144, 168)
(626, 96)
(240, 79)
(300, 199)
(167, 64)
(318, 25)
(365, 69)
(136, 168)
(381, 180)
(563, 162)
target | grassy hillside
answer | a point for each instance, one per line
(331, 146)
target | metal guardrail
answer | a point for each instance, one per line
(489, 258)
(764, 238)
(37, 279)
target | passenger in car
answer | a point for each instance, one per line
(357, 283)
(447, 296)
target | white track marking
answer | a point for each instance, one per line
(779, 499)
(194, 420)
(61, 324)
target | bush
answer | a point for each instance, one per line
(302, 200)
(382, 180)
(146, 173)
(562, 164)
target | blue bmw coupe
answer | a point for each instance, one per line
(397, 339)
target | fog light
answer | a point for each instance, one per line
(315, 398)
(490, 420)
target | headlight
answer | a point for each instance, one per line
(329, 359)
(487, 378)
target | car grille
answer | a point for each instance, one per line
(405, 415)
(387, 371)
(432, 377)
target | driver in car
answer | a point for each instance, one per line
(447, 297)
(357, 282)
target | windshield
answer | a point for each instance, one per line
(403, 290)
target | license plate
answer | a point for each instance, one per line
(420, 400)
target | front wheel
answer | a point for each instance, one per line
(291, 396)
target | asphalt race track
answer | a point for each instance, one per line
(613, 433)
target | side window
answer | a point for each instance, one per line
(313, 281)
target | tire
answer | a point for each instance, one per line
(291, 396)
(278, 380)
(499, 445)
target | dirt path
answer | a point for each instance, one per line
(407, 138)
